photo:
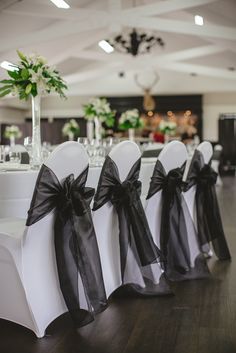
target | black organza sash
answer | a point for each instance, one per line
(209, 222)
(173, 232)
(75, 240)
(134, 231)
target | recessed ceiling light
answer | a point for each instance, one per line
(199, 20)
(61, 4)
(8, 66)
(106, 46)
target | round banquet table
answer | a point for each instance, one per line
(16, 187)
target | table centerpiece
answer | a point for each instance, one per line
(167, 128)
(12, 132)
(71, 129)
(31, 78)
(130, 120)
(96, 112)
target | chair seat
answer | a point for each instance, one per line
(13, 227)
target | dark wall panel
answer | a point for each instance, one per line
(227, 138)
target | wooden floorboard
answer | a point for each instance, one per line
(199, 318)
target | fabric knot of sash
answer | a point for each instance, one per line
(74, 196)
(173, 180)
(126, 193)
(168, 183)
(207, 176)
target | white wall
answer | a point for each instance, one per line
(62, 108)
(215, 104)
(11, 115)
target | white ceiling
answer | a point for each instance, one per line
(68, 39)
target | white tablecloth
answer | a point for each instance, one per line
(16, 188)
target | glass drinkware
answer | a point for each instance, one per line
(2, 154)
(14, 157)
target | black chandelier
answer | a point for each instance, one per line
(135, 43)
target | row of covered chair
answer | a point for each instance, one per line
(70, 258)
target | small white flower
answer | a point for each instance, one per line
(100, 106)
(70, 127)
(13, 130)
(131, 116)
(166, 126)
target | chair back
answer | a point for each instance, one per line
(105, 219)
(207, 151)
(38, 248)
(125, 154)
(173, 155)
(67, 158)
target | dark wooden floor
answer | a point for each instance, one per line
(200, 318)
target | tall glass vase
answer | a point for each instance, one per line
(131, 133)
(166, 138)
(12, 141)
(36, 133)
(98, 129)
(90, 130)
(71, 136)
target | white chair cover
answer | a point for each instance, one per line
(201, 199)
(174, 156)
(205, 148)
(30, 294)
(124, 155)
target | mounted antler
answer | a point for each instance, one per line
(148, 100)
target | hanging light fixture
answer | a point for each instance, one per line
(135, 43)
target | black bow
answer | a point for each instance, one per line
(134, 231)
(75, 240)
(210, 228)
(173, 232)
(206, 176)
(126, 193)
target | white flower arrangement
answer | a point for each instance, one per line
(167, 127)
(130, 119)
(71, 128)
(12, 131)
(32, 76)
(99, 108)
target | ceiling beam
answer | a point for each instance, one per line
(192, 53)
(103, 57)
(115, 13)
(94, 71)
(173, 26)
(7, 3)
(50, 11)
(90, 38)
(225, 44)
(60, 29)
(114, 5)
(207, 71)
(160, 8)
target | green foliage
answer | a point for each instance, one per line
(130, 119)
(100, 108)
(71, 127)
(32, 76)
